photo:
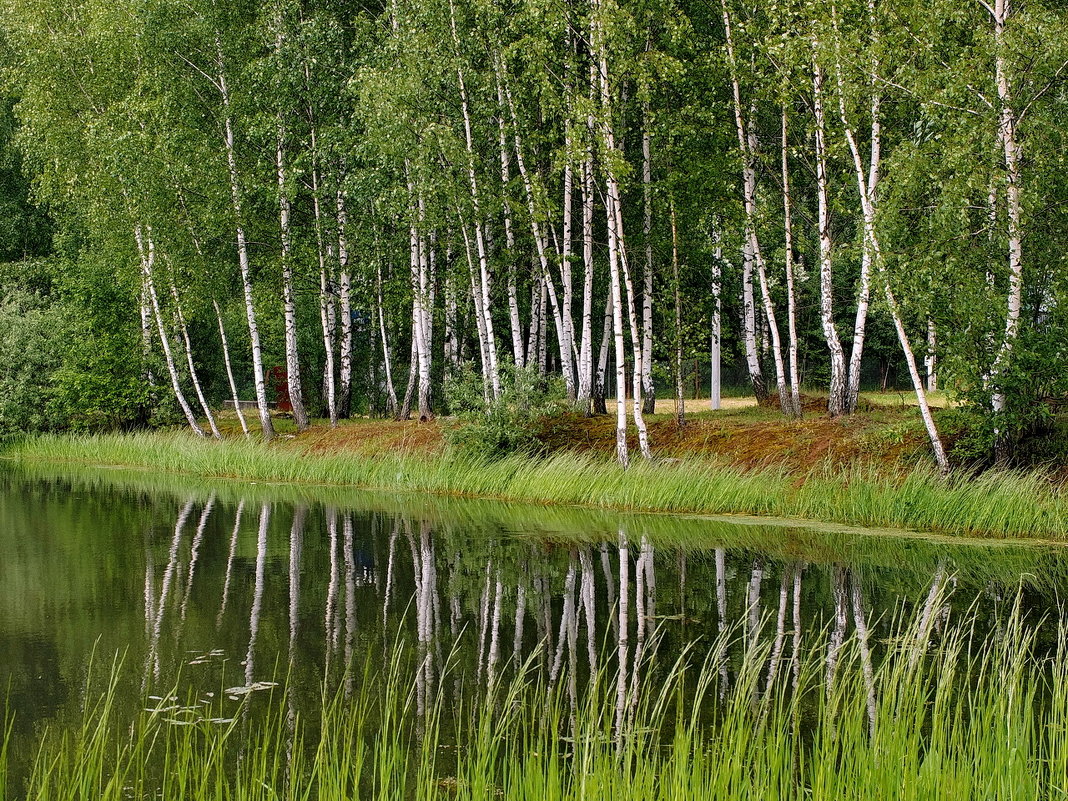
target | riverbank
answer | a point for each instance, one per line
(994, 504)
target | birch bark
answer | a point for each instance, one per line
(193, 378)
(836, 399)
(1009, 141)
(344, 401)
(296, 397)
(648, 391)
(617, 256)
(147, 251)
(791, 295)
(229, 368)
(242, 246)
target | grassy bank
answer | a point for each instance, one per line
(991, 505)
(940, 716)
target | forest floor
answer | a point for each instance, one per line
(886, 433)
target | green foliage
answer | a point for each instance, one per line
(33, 339)
(507, 425)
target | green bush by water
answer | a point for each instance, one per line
(994, 504)
(504, 425)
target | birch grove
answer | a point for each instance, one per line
(615, 200)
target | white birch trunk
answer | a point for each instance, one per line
(585, 372)
(865, 187)
(791, 294)
(147, 251)
(717, 328)
(518, 353)
(618, 255)
(242, 249)
(751, 249)
(540, 240)
(344, 401)
(392, 408)
(229, 368)
(648, 391)
(296, 396)
(483, 259)
(680, 401)
(836, 400)
(599, 391)
(931, 361)
(325, 295)
(194, 379)
(1010, 145)
(488, 391)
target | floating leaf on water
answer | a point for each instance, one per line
(251, 688)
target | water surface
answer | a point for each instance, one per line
(224, 589)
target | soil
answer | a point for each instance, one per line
(741, 433)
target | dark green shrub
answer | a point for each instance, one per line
(506, 425)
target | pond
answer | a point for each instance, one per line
(211, 595)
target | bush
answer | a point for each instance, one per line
(506, 425)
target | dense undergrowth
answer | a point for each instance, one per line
(992, 504)
(936, 713)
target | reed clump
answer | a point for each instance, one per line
(994, 504)
(937, 715)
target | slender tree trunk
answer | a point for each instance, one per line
(289, 304)
(413, 376)
(1009, 140)
(717, 329)
(481, 313)
(229, 368)
(751, 253)
(540, 240)
(866, 186)
(791, 294)
(422, 305)
(617, 243)
(391, 394)
(242, 249)
(326, 322)
(509, 235)
(680, 401)
(648, 391)
(483, 260)
(618, 262)
(566, 312)
(146, 332)
(585, 378)
(183, 329)
(344, 401)
(326, 299)
(599, 391)
(147, 250)
(296, 395)
(836, 403)
(931, 362)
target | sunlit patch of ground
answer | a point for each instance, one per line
(886, 433)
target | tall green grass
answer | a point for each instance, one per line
(994, 504)
(941, 716)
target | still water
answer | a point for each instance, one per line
(222, 590)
